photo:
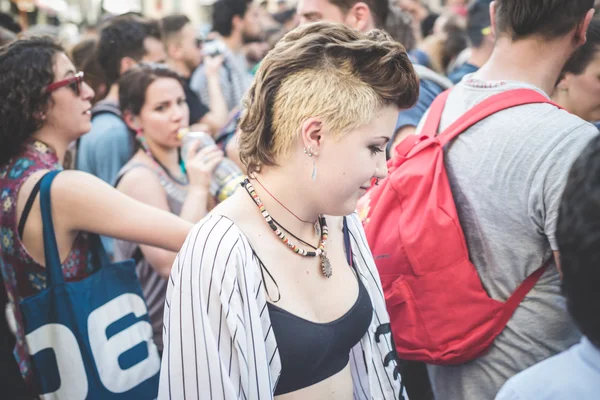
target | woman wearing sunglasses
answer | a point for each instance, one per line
(43, 108)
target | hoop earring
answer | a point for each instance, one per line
(309, 153)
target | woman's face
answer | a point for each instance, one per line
(68, 111)
(346, 166)
(583, 91)
(164, 113)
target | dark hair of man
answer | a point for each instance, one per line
(578, 236)
(124, 37)
(379, 9)
(584, 55)
(478, 19)
(172, 25)
(223, 13)
(84, 58)
(23, 97)
(549, 19)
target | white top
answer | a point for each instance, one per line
(218, 341)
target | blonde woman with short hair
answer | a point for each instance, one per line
(275, 293)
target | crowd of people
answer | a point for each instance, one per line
(251, 198)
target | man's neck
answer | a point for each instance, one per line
(234, 42)
(479, 57)
(179, 67)
(113, 93)
(531, 61)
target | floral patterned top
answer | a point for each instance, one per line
(24, 277)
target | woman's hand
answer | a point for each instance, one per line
(201, 164)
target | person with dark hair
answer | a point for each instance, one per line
(152, 100)
(366, 16)
(236, 22)
(276, 294)
(481, 36)
(361, 15)
(507, 174)
(43, 108)
(184, 55)
(578, 87)
(84, 57)
(578, 237)
(123, 42)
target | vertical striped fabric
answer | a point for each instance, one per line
(218, 341)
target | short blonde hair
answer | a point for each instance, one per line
(327, 71)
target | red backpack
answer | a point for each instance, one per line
(439, 310)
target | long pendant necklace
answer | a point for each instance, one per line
(320, 251)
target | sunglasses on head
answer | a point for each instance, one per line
(74, 83)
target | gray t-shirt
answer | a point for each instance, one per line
(507, 174)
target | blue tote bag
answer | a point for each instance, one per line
(90, 339)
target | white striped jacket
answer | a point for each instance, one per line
(218, 341)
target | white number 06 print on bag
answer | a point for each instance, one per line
(106, 351)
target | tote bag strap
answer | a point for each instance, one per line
(99, 255)
(53, 265)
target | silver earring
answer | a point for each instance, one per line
(309, 153)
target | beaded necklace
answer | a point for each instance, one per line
(320, 251)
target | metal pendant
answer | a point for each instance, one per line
(326, 266)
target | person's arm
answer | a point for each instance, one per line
(213, 338)
(217, 117)
(557, 261)
(142, 184)
(550, 179)
(82, 202)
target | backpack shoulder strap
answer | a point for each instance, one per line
(490, 106)
(434, 116)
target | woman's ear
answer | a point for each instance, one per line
(131, 120)
(312, 131)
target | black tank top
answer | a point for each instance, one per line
(311, 352)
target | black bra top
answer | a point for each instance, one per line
(312, 352)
